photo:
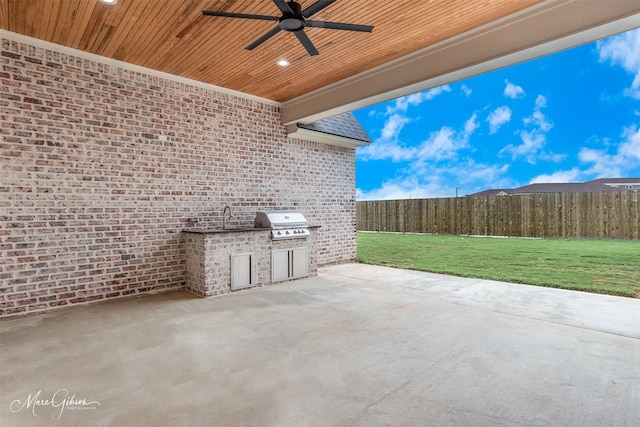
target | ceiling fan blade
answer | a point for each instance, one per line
(306, 42)
(264, 38)
(339, 26)
(283, 6)
(239, 15)
(316, 7)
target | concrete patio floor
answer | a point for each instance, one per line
(356, 346)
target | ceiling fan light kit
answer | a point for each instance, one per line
(294, 20)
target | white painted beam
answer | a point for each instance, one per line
(549, 27)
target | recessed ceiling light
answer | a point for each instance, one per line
(283, 62)
(110, 2)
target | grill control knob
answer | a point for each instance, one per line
(279, 233)
(287, 232)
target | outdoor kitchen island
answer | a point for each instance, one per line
(219, 261)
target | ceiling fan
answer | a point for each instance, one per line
(294, 20)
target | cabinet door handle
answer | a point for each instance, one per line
(290, 263)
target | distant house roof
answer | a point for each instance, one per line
(601, 184)
(343, 129)
(620, 182)
(492, 192)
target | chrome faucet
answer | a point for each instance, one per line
(224, 219)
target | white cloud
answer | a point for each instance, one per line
(538, 119)
(534, 140)
(432, 93)
(415, 99)
(471, 125)
(603, 165)
(572, 175)
(512, 91)
(393, 126)
(551, 157)
(398, 189)
(441, 144)
(466, 90)
(626, 158)
(432, 168)
(442, 181)
(380, 150)
(446, 142)
(498, 117)
(532, 143)
(471, 173)
(624, 50)
(388, 146)
(630, 148)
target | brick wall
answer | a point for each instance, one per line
(104, 164)
(208, 258)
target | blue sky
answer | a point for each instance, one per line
(568, 117)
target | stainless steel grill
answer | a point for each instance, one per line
(283, 225)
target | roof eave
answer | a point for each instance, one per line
(294, 131)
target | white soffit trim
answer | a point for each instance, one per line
(549, 27)
(293, 131)
(20, 38)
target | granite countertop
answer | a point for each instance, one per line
(223, 230)
(197, 230)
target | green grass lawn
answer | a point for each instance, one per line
(601, 266)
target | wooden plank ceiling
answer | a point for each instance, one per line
(172, 36)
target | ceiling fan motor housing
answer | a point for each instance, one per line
(293, 21)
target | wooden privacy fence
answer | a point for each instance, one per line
(614, 215)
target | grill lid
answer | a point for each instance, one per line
(280, 220)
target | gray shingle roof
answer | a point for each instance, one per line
(345, 125)
(564, 187)
(492, 192)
